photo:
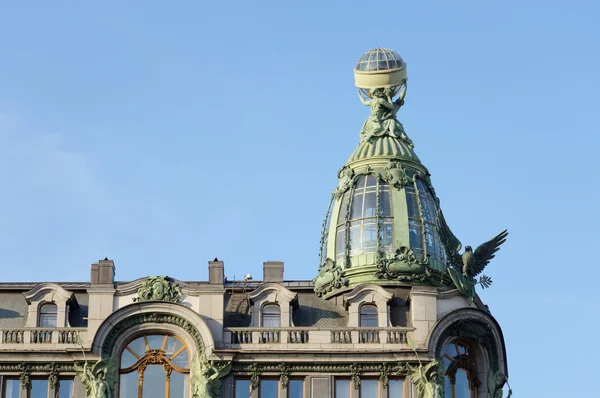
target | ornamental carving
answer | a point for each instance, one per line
(206, 377)
(404, 266)
(159, 288)
(428, 379)
(331, 276)
(24, 376)
(395, 175)
(355, 370)
(139, 319)
(346, 176)
(384, 375)
(284, 374)
(98, 379)
(52, 375)
(255, 371)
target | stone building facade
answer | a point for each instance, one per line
(392, 311)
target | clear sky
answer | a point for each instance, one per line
(163, 134)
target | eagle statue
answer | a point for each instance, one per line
(469, 263)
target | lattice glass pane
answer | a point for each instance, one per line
(127, 359)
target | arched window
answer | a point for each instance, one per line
(359, 226)
(155, 366)
(271, 316)
(461, 371)
(47, 316)
(422, 220)
(368, 316)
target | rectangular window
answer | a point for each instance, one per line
(48, 320)
(11, 388)
(65, 388)
(269, 388)
(342, 388)
(369, 388)
(242, 388)
(39, 388)
(296, 389)
(396, 389)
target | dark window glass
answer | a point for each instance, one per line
(39, 389)
(271, 315)
(461, 366)
(342, 388)
(12, 388)
(461, 388)
(296, 389)
(368, 316)
(369, 389)
(269, 388)
(242, 388)
(48, 316)
(396, 389)
(65, 388)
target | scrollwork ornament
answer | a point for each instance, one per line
(53, 375)
(159, 288)
(384, 373)
(25, 376)
(284, 374)
(254, 371)
(355, 370)
(395, 175)
(331, 276)
(404, 266)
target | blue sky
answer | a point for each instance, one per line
(164, 134)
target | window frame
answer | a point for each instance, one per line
(241, 378)
(260, 388)
(5, 380)
(387, 390)
(157, 354)
(300, 379)
(41, 314)
(58, 388)
(375, 314)
(466, 362)
(264, 312)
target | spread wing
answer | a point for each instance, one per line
(451, 244)
(485, 252)
(224, 371)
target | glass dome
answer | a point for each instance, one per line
(357, 223)
(379, 59)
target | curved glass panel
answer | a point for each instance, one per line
(325, 232)
(422, 220)
(379, 59)
(362, 219)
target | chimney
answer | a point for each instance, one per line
(216, 272)
(273, 271)
(103, 272)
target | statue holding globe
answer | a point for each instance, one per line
(380, 75)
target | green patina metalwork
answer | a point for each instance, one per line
(154, 317)
(386, 152)
(331, 276)
(428, 379)
(206, 377)
(159, 288)
(98, 379)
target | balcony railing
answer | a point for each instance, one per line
(245, 337)
(41, 335)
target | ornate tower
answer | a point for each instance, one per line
(384, 224)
